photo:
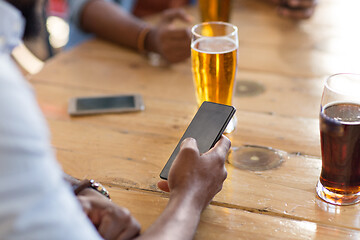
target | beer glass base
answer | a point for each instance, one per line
(231, 126)
(156, 60)
(256, 158)
(335, 198)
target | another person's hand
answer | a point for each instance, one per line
(296, 9)
(171, 42)
(197, 176)
(111, 221)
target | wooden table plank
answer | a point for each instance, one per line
(226, 223)
(302, 94)
(172, 117)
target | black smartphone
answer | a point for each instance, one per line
(105, 104)
(207, 126)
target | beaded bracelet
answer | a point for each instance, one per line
(91, 184)
(141, 39)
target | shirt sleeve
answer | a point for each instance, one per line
(75, 8)
(36, 203)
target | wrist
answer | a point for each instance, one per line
(188, 199)
(150, 41)
(73, 181)
(141, 39)
(86, 185)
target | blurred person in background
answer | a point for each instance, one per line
(117, 21)
(162, 42)
(113, 21)
(295, 9)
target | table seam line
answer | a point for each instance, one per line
(263, 211)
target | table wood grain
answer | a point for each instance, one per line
(286, 63)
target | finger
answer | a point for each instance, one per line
(189, 151)
(189, 143)
(85, 204)
(164, 186)
(224, 173)
(177, 45)
(176, 58)
(130, 232)
(175, 54)
(110, 226)
(221, 148)
(175, 13)
(301, 3)
(178, 33)
(296, 13)
(177, 49)
(92, 208)
(224, 143)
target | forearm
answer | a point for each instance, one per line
(74, 182)
(110, 22)
(70, 179)
(178, 221)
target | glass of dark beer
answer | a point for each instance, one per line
(339, 182)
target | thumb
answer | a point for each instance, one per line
(222, 146)
(189, 143)
(175, 13)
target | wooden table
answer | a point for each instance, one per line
(286, 61)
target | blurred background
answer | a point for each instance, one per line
(56, 30)
(54, 36)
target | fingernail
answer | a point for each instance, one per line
(189, 139)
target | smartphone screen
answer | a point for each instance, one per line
(105, 104)
(206, 127)
(84, 104)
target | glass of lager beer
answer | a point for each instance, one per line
(215, 10)
(214, 51)
(339, 182)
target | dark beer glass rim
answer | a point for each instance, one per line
(327, 85)
(323, 105)
(235, 29)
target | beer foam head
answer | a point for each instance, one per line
(214, 45)
(344, 112)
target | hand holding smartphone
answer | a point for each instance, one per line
(206, 128)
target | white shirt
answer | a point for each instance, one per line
(35, 201)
